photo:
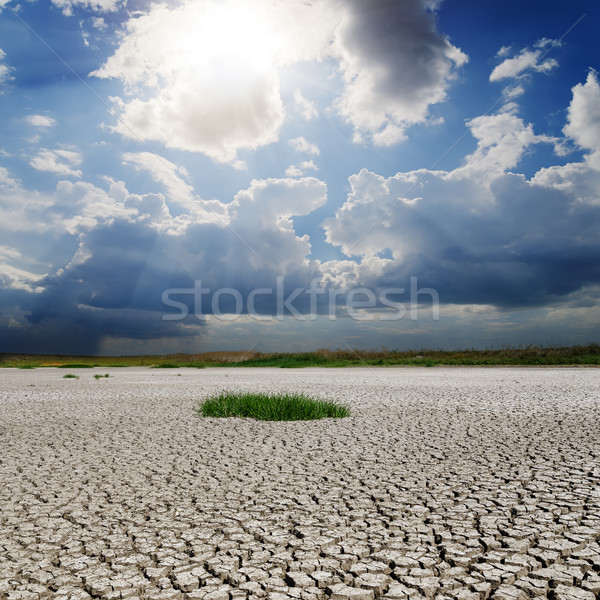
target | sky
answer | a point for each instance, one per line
(287, 175)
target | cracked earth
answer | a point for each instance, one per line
(463, 484)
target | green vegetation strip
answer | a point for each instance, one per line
(271, 407)
(588, 355)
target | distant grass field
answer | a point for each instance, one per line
(529, 356)
(271, 407)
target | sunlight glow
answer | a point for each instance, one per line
(231, 33)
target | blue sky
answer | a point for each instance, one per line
(284, 175)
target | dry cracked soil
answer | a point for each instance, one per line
(461, 484)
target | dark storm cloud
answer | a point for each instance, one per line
(395, 63)
(517, 245)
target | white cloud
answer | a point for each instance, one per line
(6, 181)
(394, 64)
(584, 114)
(513, 91)
(85, 36)
(526, 61)
(99, 23)
(40, 121)
(271, 202)
(299, 170)
(13, 278)
(209, 67)
(579, 180)
(61, 162)
(5, 70)
(8, 253)
(309, 165)
(502, 140)
(301, 144)
(82, 206)
(582, 179)
(165, 173)
(510, 108)
(306, 108)
(293, 171)
(107, 6)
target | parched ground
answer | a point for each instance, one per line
(445, 483)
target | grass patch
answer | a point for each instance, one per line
(70, 376)
(98, 376)
(288, 361)
(271, 407)
(75, 366)
(165, 366)
(26, 366)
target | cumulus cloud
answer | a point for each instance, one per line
(581, 179)
(43, 121)
(526, 61)
(61, 162)
(529, 245)
(129, 248)
(127, 263)
(502, 140)
(583, 124)
(301, 144)
(395, 65)
(480, 234)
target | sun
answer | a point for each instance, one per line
(233, 34)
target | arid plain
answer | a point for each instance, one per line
(463, 483)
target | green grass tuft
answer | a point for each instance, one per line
(26, 367)
(271, 407)
(98, 376)
(70, 376)
(75, 366)
(166, 366)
